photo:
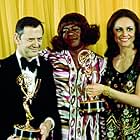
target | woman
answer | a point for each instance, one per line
(122, 76)
(74, 65)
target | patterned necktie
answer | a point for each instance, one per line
(31, 65)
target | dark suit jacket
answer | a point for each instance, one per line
(11, 101)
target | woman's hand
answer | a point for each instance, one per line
(94, 89)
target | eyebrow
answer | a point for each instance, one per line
(71, 26)
(119, 26)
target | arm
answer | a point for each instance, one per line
(131, 99)
(49, 102)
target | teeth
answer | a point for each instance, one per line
(124, 39)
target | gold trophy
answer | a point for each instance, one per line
(89, 105)
(27, 132)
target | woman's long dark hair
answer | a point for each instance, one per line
(113, 48)
(90, 34)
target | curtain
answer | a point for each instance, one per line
(50, 13)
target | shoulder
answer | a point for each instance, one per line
(100, 59)
(48, 54)
(44, 62)
(45, 53)
(7, 61)
(102, 62)
(56, 57)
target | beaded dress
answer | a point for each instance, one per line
(123, 121)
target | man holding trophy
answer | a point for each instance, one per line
(27, 87)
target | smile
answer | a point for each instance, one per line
(124, 39)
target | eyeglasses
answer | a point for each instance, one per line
(71, 29)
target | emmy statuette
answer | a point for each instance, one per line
(89, 105)
(27, 132)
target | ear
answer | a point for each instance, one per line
(16, 38)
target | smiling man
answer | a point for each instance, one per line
(28, 88)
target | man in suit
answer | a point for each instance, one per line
(27, 87)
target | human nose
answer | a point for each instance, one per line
(125, 33)
(36, 43)
(70, 30)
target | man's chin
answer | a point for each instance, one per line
(34, 54)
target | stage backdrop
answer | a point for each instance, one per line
(51, 11)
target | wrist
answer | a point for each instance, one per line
(106, 91)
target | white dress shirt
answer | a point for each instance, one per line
(32, 75)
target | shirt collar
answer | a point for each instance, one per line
(18, 55)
